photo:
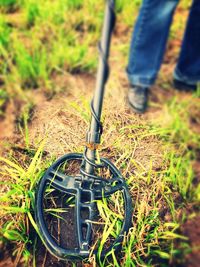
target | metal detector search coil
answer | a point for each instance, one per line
(87, 187)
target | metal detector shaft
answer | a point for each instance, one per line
(95, 130)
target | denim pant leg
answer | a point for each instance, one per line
(188, 66)
(149, 40)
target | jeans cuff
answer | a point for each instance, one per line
(140, 81)
(183, 78)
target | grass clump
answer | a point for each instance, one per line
(9, 5)
(33, 11)
(4, 32)
(31, 65)
(17, 203)
(3, 100)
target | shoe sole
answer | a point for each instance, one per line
(134, 109)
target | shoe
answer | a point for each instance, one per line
(182, 86)
(138, 98)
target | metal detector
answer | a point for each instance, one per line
(87, 186)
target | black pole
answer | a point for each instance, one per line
(95, 130)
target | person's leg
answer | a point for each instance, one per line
(149, 41)
(188, 66)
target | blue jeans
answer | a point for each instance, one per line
(149, 42)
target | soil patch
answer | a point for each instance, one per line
(7, 124)
(191, 229)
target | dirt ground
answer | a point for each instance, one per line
(191, 229)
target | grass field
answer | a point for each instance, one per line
(48, 59)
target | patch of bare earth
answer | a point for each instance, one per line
(7, 125)
(191, 229)
(64, 126)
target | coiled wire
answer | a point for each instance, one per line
(93, 114)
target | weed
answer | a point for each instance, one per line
(32, 12)
(180, 173)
